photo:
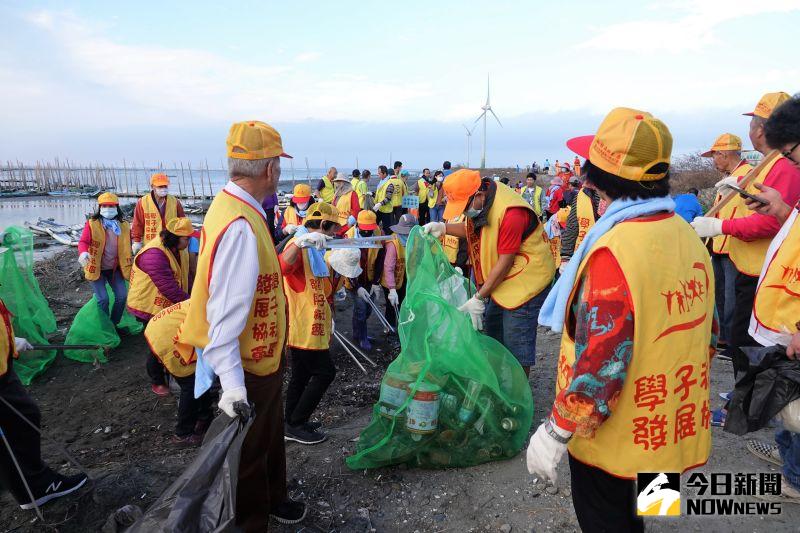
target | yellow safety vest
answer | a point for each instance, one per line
(8, 348)
(748, 257)
(290, 216)
(153, 223)
(328, 192)
(143, 295)
(92, 269)
(343, 204)
(400, 266)
(161, 333)
(372, 256)
(424, 189)
(720, 243)
(450, 242)
(360, 187)
(777, 303)
(533, 268)
(533, 198)
(310, 314)
(585, 217)
(397, 195)
(660, 422)
(263, 338)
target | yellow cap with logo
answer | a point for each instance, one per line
(159, 180)
(768, 103)
(254, 139)
(727, 142)
(322, 211)
(108, 198)
(180, 226)
(301, 193)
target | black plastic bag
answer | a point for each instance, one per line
(203, 498)
(771, 382)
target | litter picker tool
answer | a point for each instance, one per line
(359, 242)
(749, 178)
(351, 354)
(381, 318)
(354, 347)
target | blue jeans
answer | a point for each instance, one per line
(118, 287)
(725, 289)
(789, 446)
(436, 213)
(516, 328)
(361, 312)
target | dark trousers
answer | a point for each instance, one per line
(155, 370)
(603, 502)
(725, 291)
(361, 312)
(385, 220)
(424, 214)
(190, 409)
(312, 373)
(745, 294)
(262, 467)
(24, 441)
(389, 313)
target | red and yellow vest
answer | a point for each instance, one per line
(143, 295)
(397, 195)
(92, 269)
(585, 217)
(262, 340)
(8, 348)
(372, 255)
(660, 420)
(161, 334)
(748, 257)
(328, 192)
(719, 244)
(400, 266)
(343, 206)
(450, 242)
(153, 223)
(310, 316)
(290, 216)
(533, 267)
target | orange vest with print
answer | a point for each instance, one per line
(310, 313)
(7, 347)
(343, 207)
(748, 257)
(92, 269)
(153, 223)
(143, 295)
(161, 334)
(660, 420)
(533, 266)
(719, 244)
(777, 303)
(400, 266)
(263, 338)
(450, 242)
(372, 255)
(585, 217)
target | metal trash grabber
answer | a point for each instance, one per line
(381, 318)
(355, 348)
(335, 336)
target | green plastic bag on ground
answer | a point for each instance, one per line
(32, 317)
(453, 397)
(92, 326)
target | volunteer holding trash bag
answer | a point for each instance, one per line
(153, 211)
(510, 255)
(104, 252)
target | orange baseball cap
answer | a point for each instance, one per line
(629, 143)
(459, 187)
(181, 226)
(108, 198)
(724, 143)
(159, 180)
(367, 220)
(301, 193)
(768, 103)
(254, 139)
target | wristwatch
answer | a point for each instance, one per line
(484, 299)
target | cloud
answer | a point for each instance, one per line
(305, 57)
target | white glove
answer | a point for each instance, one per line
(437, 229)
(393, 299)
(376, 207)
(545, 452)
(475, 308)
(562, 267)
(136, 246)
(730, 180)
(230, 397)
(309, 240)
(351, 221)
(22, 344)
(290, 229)
(83, 259)
(362, 292)
(707, 226)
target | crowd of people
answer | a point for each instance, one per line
(598, 253)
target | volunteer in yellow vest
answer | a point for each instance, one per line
(366, 284)
(427, 194)
(751, 233)
(294, 215)
(24, 441)
(638, 331)
(307, 284)
(726, 155)
(153, 211)
(237, 319)
(393, 279)
(104, 252)
(325, 190)
(388, 197)
(580, 219)
(346, 203)
(533, 193)
(159, 279)
(360, 184)
(510, 257)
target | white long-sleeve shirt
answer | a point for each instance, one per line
(230, 294)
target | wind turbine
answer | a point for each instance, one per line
(469, 141)
(486, 109)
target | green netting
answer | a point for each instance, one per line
(93, 326)
(20, 291)
(453, 397)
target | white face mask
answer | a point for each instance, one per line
(108, 212)
(303, 206)
(161, 192)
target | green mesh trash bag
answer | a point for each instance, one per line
(93, 326)
(32, 317)
(453, 397)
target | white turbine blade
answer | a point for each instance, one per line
(480, 116)
(495, 117)
(487, 90)
(473, 128)
(466, 128)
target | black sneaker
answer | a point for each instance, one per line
(302, 435)
(56, 487)
(290, 512)
(313, 426)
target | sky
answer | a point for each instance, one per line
(347, 81)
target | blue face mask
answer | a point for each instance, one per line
(403, 239)
(472, 213)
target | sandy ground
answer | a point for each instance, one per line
(120, 431)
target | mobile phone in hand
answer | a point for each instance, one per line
(745, 194)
